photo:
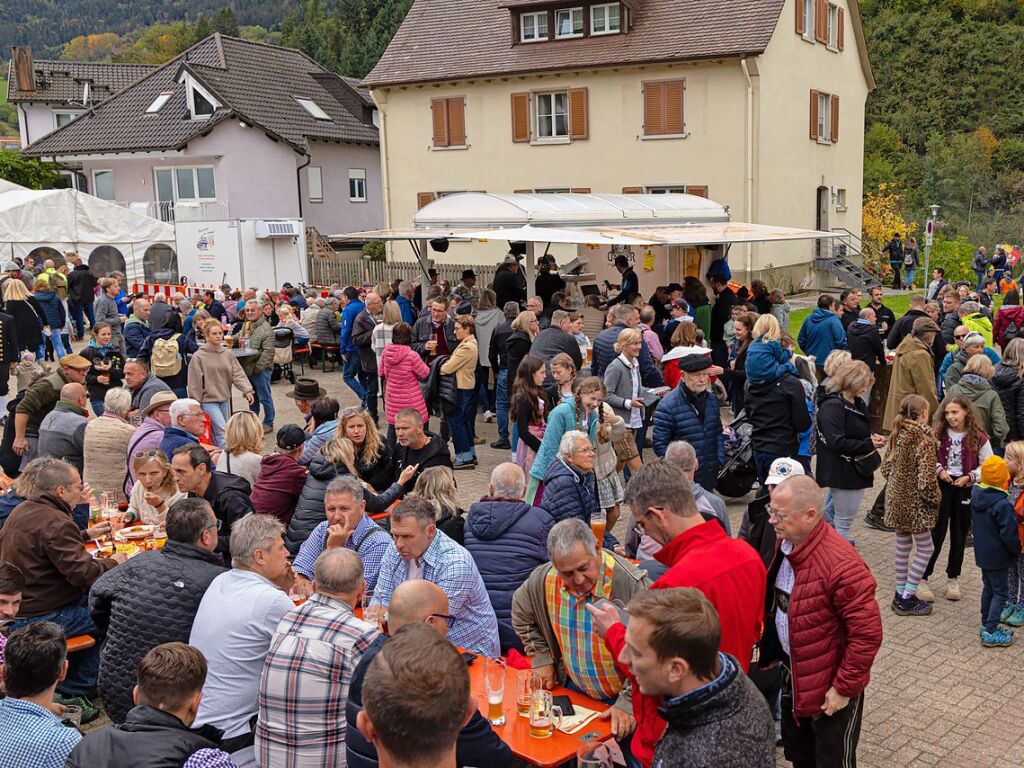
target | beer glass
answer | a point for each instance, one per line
(594, 754)
(543, 714)
(494, 679)
(527, 681)
(598, 524)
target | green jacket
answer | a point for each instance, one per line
(261, 337)
(40, 399)
(978, 323)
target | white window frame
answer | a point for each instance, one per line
(71, 114)
(357, 175)
(195, 180)
(824, 118)
(606, 7)
(572, 12)
(537, 37)
(315, 110)
(158, 103)
(552, 191)
(191, 88)
(92, 180)
(833, 27)
(315, 183)
(809, 26)
(539, 138)
(666, 189)
(840, 200)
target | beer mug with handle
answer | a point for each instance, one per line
(543, 714)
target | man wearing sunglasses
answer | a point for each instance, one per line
(419, 601)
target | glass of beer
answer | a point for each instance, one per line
(598, 524)
(527, 681)
(543, 714)
(494, 679)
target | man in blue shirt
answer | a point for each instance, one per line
(35, 661)
(352, 307)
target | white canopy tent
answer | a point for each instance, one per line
(581, 219)
(68, 220)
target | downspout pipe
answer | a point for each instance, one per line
(298, 181)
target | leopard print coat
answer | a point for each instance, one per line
(912, 492)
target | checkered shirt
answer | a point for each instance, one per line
(451, 567)
(209, 758)
(588, 662)
(33, 736)
(373, 542)
(304, 685)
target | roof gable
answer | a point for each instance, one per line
(463, 39)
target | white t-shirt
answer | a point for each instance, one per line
(784, 582)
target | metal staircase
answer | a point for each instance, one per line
(846, 262)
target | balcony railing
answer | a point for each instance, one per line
(178, 210)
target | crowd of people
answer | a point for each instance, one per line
(307, 601)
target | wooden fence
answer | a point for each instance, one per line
(353, 270)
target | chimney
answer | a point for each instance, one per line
(24, 68)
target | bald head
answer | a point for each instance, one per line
(797, 505)
(507, 482)
(338, 571)
(414, 601)
(73, 393)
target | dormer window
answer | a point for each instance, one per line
(201, 106)
(201, 103)
(533, 27)
(605, 19)
(568, 23)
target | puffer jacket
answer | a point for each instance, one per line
(152, 599)
(912, 491)
(987, 405)
(568, 493)
(328, 328)
(835, 629)
(843, 434)
(778, 414)
(402, 370)
(1010, 387)
(996, 539)
(1004, 317)
(53, 310)
(309, 510)
(821, 333)
(439, 391)
(676, 418)
(507, 539)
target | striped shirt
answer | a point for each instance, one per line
(588, 662)
(304, 686)
(233, 629)
(451, 567)
(368, 540)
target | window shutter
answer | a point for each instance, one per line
(654, 109)
(523, 191)
(424, 198)
(520, 117)
(632, 190)
(814, 115)
(800, 17)
(456, 113)
(821, 21)
(700, 191)
(841, 33)
(578, 123)
(835, 119)
(674, 93)
(439, 112)
(580, 190)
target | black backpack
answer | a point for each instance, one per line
(1011, 333)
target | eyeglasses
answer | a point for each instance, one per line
(960, 337)
(588, 449)
(777, 514)
(352, 411)
(150, 454)
(449, 620)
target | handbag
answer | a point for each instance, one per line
(866, 464)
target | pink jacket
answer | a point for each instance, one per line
(402, 370)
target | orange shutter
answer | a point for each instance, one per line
(523, 191)
(701, 191)
(578, 124)
(456, 113)
(520, 117)
(821, 21)
(424, 198)
(632, 190)
(440, 120)
(835, 119)
(674, 93)
(841, 34)
(800, 17)
(580, 190)
(814, 115)
(654, 109)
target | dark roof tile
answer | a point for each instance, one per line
(62, 81)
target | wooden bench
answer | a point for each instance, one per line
(327, 351)
(80, 643)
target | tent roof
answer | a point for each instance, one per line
(70, 216)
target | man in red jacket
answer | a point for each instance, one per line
(698, 554)
(822, 624)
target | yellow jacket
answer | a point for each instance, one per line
(462, 363)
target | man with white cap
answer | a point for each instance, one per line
(755, 528)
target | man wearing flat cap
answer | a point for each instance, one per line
(39, 400)
(690, 412)
(913, 370)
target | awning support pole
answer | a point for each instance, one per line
(531, 283)
(421, 256)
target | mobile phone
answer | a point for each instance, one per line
(563, 703)
(469, 658)
(623, 616)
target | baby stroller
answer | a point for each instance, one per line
(283, 340)
(739, 474)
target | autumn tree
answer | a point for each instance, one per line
(96, 47)
(882, 216)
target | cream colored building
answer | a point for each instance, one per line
(757, 104)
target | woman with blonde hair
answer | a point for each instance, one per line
(1013, 613)
(627, 396)
(563, 371)
(524, 330)
(372, 454)
(154, 491)
(243, 452)
(286, 319)
(437, 485)
(27, 314)
(382, 332)
(462, 362)
(212, 372)
(766, 359)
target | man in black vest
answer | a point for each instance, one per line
(157, 730)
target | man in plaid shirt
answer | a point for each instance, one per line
(306, 677)
(420, 551)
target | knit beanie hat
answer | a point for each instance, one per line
(995, 473)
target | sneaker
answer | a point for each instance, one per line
(953, 590)
(501, 445)
(895, 601)
(1000, 638)
(924, 592)
(89, 712)
(488, 417)
(1007, 613)
(912, 606)
(1016, 619)
(464, 464)
(876, 522)
(268, 428)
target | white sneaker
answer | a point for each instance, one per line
(952, 590)
(488, 417)
(924, 592)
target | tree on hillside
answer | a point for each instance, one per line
(97, 47)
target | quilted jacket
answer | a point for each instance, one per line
(1010, 387)
(403, 370)
(150, 600)
(676, 419)
(439, 390)
(507, 539)
(835, 629)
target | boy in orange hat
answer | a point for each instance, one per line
(996, 546)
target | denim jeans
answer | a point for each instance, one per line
(261, 383)
(846, 503)
(994, 591)
(77, 311)
(58, 347)
(219, 414)
(460, 423)
(501, 403)
(980, 274)
(97, 407)
(83, 666)
(351, 375)
(908, 277)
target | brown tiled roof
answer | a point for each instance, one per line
(253, 82)
(62, 81)
(459, 39)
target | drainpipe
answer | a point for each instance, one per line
(298, 181)
(749, 72)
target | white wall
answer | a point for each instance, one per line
(337, 213)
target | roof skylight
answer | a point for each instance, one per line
(159, 101)
(312, 107)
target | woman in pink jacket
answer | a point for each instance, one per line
(402, 370)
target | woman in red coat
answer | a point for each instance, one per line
(402, 370)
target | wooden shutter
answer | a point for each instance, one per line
(814, 115)
(800, 30)
(580, 190)
(439, 114)
(456, 113)
(699, 191)
(821, 21)
(578, 123)
(523, 191)
(835, 119)
(654, 109)
(841, 32)
(520, 117)
(674, 92)
(424, 198)
(632, 190)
